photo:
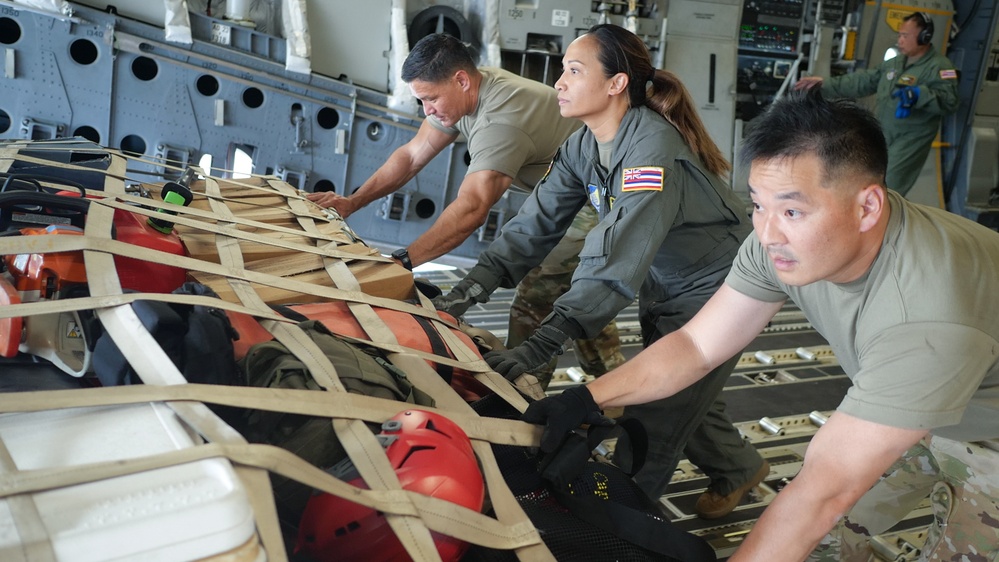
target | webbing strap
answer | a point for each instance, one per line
(412, 516)
(92, 302)
(440, 515)
(358, 442)
(506, 506)
(151, 363)
(230, 230)
(36, 545)
(49, 244)
(305, 402)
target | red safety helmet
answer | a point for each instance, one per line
(432, 456)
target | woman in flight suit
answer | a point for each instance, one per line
(669, 229)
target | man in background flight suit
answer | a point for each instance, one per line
(914, 91)
(513, 129)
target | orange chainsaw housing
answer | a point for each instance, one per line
(42, 276)
(10, 328)
(340, 320)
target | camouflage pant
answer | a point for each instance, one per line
(962, 481)
(537, 292)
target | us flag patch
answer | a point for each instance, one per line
(646, 178)
(948, 74)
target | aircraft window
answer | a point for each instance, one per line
(83, 51)
(4, 121)
(328, 118)
(253, 98)
(425, 208)
(10, 31)
(133, 145)
(242, 161)
(88, 133)
(145, 68)
(324, 185)
(207, 85)
(206, 163)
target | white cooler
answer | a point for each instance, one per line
(185, 512)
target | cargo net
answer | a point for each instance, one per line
(262, 258)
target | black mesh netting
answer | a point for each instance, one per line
(569, 538)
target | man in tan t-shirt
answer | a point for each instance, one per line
(513, 128)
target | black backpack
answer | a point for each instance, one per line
(602, 514)
(198, 339)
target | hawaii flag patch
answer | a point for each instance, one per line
(646, 178)
(945, 74)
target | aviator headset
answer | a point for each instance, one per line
(926, 33)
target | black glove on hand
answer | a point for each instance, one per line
(460, 298)
(529, 356)
(563, 413)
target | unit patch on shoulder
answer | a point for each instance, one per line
(948, 74)
(645, 178)
(593, 194)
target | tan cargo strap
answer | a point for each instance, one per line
(49, 244)
(181, 219)
(358, 442)
(36, 545)
(90, 303)
(440, 515)
(507, 508)
(412, 519)
(153, 366)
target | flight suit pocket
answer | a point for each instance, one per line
(600, 240)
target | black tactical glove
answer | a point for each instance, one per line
(460, 298)
(427, 288)
(563, 413)
(529, 356)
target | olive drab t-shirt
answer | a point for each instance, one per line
(918, 335)
(515, 129)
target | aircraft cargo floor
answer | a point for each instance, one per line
(784, 387)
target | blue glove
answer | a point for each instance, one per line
(563, 413)
(907, 98)
(529, 356)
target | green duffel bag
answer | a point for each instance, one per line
(362, 370)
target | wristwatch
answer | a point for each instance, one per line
(402, 254)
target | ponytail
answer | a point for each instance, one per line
(670, 98)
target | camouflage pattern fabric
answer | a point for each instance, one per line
(962, 481)
(536, 293)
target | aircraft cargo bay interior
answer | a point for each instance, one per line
(497, 280)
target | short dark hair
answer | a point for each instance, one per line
(845, 137)
(920, 18)
(435, 58)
